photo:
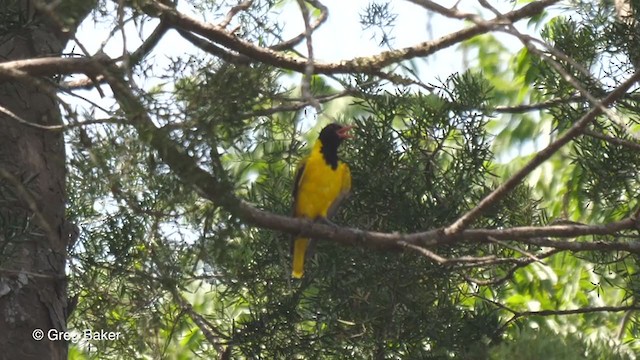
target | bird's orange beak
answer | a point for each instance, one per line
(343, 133)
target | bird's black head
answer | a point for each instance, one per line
(333, 134)
(331, 137)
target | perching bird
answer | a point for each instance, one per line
(322, 182)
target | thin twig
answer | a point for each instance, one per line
(622, 327)
(308, 70)
(466, 261)
(516, 249)
(211, 48)
(59, 127)
(517, 109)
(319, 20)
(205, 326)
(296, 105)
(453, 12)
(614, 140)
(135, 58)
(523, 263)
(585, 310)
(15, 272)
(243, 6)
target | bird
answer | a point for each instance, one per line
(322, 182)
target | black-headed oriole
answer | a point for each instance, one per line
(322, 181)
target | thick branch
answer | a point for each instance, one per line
(366, 64)
(370, 64)
(432, 238)
(50, 66)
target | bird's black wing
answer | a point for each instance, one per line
(296, 183)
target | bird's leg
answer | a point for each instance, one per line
(324, 220)
(312, 244)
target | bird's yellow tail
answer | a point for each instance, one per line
(300, 246)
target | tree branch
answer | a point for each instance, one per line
(514, 248)
(517, 109)
(135, 58)
(50, 66)
(211, 48)
(524, 262)
(613, 140)
(542, 156)
(585, 310)
(453, 12)
(366, 64)
(469, 261)
(63, 127)
(289, 44)
(243, 6)
(308, 70)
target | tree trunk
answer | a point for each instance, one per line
(33, 232)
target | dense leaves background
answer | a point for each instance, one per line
(183, 278)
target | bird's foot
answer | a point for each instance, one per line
(326, 221)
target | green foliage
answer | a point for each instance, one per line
(337, 310)
(530, 344)
(379, 16)
(354, 302)
(419, 161)
(217, 96)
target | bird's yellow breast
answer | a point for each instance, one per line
(319, 186)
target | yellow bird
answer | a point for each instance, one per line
(322, 182)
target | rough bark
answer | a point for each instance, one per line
(34, 234)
